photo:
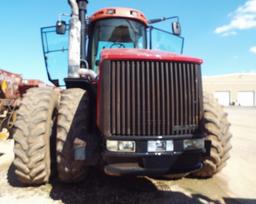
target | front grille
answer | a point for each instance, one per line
(153, 98)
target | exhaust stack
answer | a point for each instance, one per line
(74, 41)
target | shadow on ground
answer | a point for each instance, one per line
(99, 189)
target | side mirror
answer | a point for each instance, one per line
(176, 28)
(61, 27)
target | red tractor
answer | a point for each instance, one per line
(131, 104)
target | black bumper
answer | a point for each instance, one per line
(154, 164)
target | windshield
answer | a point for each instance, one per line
(116, 33)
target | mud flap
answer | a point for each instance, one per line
(87, 150)
(79, 149)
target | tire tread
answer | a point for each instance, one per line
(32, 131)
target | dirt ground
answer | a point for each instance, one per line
(235, 184)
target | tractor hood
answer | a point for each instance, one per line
(143, 54)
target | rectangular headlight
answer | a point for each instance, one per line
(160, 146)
(192, 144)
(121, 146)
(112, 145)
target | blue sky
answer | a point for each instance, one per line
(220, 32)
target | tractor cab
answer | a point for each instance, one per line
(115, 33)
(122, 28)
(116, 28)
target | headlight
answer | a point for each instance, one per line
(112, 145)
(160, 146)
(193, 144)
(121, 146)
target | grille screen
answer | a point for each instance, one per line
(154, 98)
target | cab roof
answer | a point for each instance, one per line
(117, 12)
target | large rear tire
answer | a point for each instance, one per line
(216, 127)
(72, 127)
(32, 131)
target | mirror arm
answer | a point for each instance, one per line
(158, 20)
(62, 15)
(182, 46)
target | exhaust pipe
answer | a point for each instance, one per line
(74, 41)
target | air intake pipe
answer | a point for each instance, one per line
(74, 53)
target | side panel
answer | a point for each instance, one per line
(103, 99)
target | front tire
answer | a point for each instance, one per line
(32, 131)
(216, 127)
(72, 128)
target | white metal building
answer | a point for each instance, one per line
(232, 89)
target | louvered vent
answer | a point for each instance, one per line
(152, 97)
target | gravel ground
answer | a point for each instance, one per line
(235, 184)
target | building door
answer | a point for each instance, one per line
(245, 98)
(223, 97)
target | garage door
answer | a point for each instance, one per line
(245, 98)
(223, 97)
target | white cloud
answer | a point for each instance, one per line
(230, 33)
(253, 50)
(243, 18)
